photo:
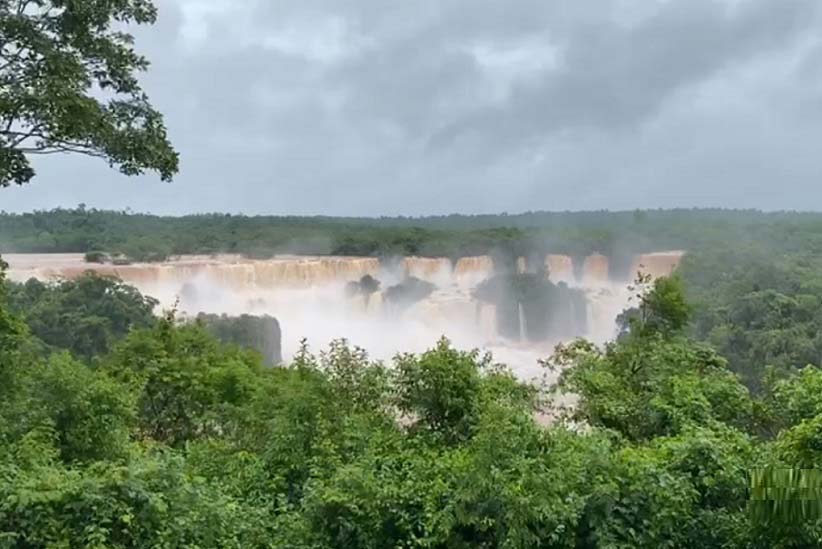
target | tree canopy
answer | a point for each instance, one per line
(85, 316)
(171, 438)
(69, 84)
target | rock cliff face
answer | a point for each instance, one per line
(261, 333)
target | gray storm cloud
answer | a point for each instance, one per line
(370, 107)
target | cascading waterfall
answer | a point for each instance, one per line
(471, 271)
(487, 321)
(657, 264)
(560, 268)
(595, 270)
(229, 271)
(307, 296)
(437, 270)
(523, 325)
(572, 313)
(374, 306)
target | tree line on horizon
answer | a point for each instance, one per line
(619, 235)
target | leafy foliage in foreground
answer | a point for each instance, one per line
(84, 316)
(175, 440)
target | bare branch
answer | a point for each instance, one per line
(18, 138)
(63, 149)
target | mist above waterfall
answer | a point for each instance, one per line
(519, 312)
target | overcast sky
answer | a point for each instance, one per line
(372, 107)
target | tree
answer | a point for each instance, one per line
(441, 388)
(187, 386)
(88, 414)
(10, 326)
(68, 85)
(85, 316)
(662, 308)
(12, 333)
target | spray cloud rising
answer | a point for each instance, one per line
(390, 306)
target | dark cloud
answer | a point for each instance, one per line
(612, 76)
(368, 107)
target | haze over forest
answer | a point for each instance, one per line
(430, 107)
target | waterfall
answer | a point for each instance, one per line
(580, 316)
(229, 271)
(591, 313)
(486, 319)
(374, 305)
(560, 268)
(656, 264)
(241, 274)
(572, 319)
(595, 270)
(470, 271)
(523, 326)
(437, 270)
(307, 295)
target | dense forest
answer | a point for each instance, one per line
(616, 234)
(122, 429)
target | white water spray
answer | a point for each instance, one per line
(307, 295)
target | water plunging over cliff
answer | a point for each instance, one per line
(470, 271)
(308, 296)
(595, 270)
(432, 269)
(230, 271)
(657, 264)
(523, 324)
(560, 268)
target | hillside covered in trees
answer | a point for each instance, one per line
(159, 435)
